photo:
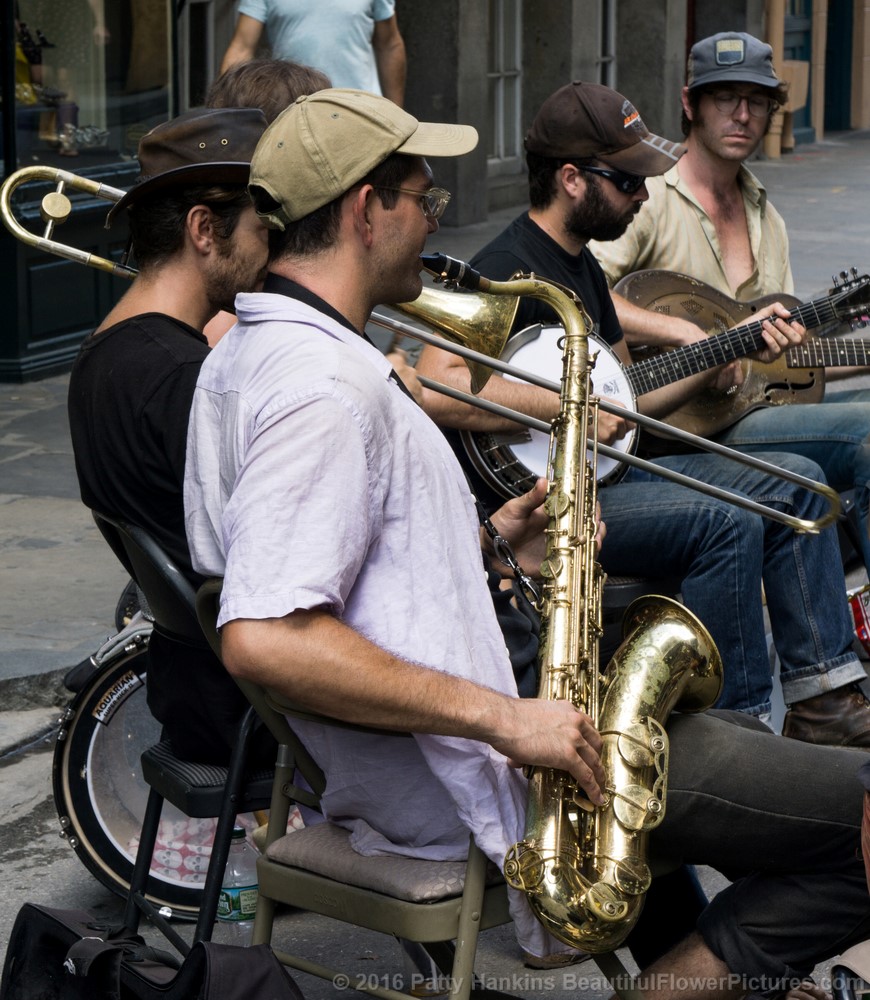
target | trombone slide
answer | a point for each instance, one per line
(54, 210)
(456, 273)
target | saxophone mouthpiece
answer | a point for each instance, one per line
(451, 271)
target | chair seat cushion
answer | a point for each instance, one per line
(325, 849)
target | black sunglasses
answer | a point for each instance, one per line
(626, 183)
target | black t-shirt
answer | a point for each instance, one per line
(130, 394)
(525, 247)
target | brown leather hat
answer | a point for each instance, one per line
(590, 120)
(202, 146)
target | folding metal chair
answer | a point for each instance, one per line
(198, 790)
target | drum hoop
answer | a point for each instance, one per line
(114, 681)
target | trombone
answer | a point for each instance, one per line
(484, 315)
(476, 317)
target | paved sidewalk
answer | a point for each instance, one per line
(59, 580)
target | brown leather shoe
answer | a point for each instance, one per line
(838, 718)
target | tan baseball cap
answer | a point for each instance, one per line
(324, 143)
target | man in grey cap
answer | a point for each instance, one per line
(352, 582)
(741, 247)
(709, 217)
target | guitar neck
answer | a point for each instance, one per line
(820, 352)
(671, 366)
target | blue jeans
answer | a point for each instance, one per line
(835, 434)
(722, 554)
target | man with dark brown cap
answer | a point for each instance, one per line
(196, 241)
(577, 148)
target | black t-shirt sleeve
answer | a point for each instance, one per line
(167, 415)
(502, 265)
(608, 324)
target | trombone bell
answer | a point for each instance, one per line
(479, 322)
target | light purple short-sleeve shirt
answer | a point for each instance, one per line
(314, 481)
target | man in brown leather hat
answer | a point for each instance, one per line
(196, 241)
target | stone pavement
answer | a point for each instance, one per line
(58, 579)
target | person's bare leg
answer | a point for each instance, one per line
(679, 975)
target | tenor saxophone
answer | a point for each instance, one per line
(584, 868)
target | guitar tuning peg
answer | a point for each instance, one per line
(844, 275)
(854, 273)
(834, 280)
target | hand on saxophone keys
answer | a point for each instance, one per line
(557, 735)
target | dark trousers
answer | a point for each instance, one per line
(782, 820)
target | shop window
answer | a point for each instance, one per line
(92, 76)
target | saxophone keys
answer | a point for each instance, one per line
(603, 903)
(638, 808)
(632, 875)
(524, 868)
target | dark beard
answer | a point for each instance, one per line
(595, 218)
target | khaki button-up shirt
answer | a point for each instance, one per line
(672, 232)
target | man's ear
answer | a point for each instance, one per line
(199, 223)
(571, 179)
(361, 206)
(687, 107)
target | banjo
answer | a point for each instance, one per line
(511, 462)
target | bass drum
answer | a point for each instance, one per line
(99, 792)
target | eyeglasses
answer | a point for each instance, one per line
(433, 202)
(728, 101)
(626, 183)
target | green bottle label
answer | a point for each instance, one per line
(238, 903)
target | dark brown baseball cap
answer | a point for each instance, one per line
(590, 120)
(202, 146)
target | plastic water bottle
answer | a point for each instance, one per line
(237, 903)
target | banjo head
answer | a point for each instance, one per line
(511, 463)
